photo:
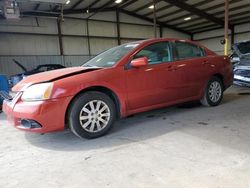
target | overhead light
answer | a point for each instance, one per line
(67, 2)
(118, 1)
(187, 18)
(87, 11)
(151, 7)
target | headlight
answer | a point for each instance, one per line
(38, 92)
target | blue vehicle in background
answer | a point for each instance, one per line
(4, 87)
(6, 83)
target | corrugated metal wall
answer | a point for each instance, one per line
(34, 41)
(211, 40)
(8, 67)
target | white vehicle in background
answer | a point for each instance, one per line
(241, 61)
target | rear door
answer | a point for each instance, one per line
(192, 68)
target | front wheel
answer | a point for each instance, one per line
(91, 115)
(213, 93)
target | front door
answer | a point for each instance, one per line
(154, 83)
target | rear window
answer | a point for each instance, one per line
(186, 50)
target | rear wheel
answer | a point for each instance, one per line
(213, 93)
(91, 115)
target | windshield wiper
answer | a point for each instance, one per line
(92, 66)
(88, 66)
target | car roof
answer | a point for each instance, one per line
(165, 39)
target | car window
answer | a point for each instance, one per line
(42, 68)
(156, 53)
(186, 50)
(52, 67)
(112, 56)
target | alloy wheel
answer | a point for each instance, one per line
(94, 116)
(215, 91)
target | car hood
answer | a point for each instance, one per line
(51, 76)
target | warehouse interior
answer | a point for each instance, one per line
(179, 146)
(82, 35)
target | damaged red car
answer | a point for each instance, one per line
(121, 81)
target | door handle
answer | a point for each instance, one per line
(172, 68)
(205, 63)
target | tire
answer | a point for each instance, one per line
(91, 115)
(213, 93)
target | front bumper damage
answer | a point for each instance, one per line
(37, 116)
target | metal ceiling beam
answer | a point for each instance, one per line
(146, 6)
(170, 13)
(110, 2)
(205, 10)
(202, 23)
(215, 14)
(76, 4)
(188, 15)
(55, 15)
(184, 6)
(151, 20)
(197, 27)
(239, 14)
(126, 4)
(88, 8)
(241, 19)
(116, 6)
(79, 11)
(40, 13)
(243, 22)
(158, 10)
(94, 3)
(196, 24)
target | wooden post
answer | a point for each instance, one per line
(155, 28)
(226, 27)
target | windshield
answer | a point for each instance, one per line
(111, 56)
(244, 47)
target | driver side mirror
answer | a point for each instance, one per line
(139, 62)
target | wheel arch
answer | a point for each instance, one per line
(102, 89)
(220, 76)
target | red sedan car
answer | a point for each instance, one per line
(121, 81)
